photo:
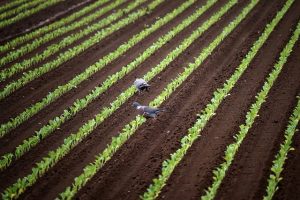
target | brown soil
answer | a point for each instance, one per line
(41, 18)
(132, 168)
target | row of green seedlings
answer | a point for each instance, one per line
(67, 41)
(111, 80)
(13, 55)
(22, 15)
(52, 96)
(71, 53)
(231, 150)
(74, 139)
(56, 47)
(20, 9)
(281, 156)
(11, 4)
(53, 26)
(90, 170)
(208, 112)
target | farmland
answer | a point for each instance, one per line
(226, 72)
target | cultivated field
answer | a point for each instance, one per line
(227, 73)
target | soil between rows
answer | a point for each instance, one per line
(131, 170)
(45, 149)
(22, 26)
(43, 47)
(9, 142)
(37, 89)
(24, 166)
(194, 174)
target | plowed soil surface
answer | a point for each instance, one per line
(132, 168)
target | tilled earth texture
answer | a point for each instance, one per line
(132, 167)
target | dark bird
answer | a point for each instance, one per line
(141, 85)
(147, 111)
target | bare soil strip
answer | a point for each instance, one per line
(43, 15)
(106, 97)
(40, 87)
(131, 170)
(194, 174)
(28, 128)
(135, 165)
(43, 47)
(252, 163)
(104, 138)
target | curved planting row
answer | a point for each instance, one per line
(56, 47)
(22, 15)
(74, 139)
(20, 9)
(282, 154)
(251, 115)
(208, 112)
(80, 104)
(52, 96)
(53, 26)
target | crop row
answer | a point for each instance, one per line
(54, 48)
(82, 103)
(231, 150)
(74, 139)
(208, 112)
(281, 156)
(69, 143)
(22, 15)
(20, 9)
(52, 96)
(91, 169)
(70, 53)
(53, 26)
(11, 4)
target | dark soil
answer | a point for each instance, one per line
(138, 161)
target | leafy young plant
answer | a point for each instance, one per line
(130, 128)
(208, 112)
(22, 15)
(82, 103)
(53, 48)
(69, 54)
(11, 4)
(253, 112)
(53, 26)
(69, 143)
(20, 8)
(285, 147)
(60, 90)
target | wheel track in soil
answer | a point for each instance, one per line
(9, 142)
(35, 90)
(83, 148)
(26, 23)
(61, 135)
(122, 182)
(42, 47)
(253, 161)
